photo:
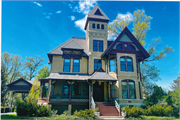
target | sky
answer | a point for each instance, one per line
(31, 28)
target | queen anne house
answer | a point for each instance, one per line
(95, 72)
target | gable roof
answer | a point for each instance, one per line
(126, 31)
(96, 14)
(21, 79)
(72, 43)
(100, 74)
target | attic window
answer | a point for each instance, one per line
(93, 26)
(119, 46)
(98, 12)
(76, 52)
(131, 47)
(67, 52)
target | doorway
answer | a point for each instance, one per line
(98, 91)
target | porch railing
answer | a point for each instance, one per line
(118, 107)
(93, 105)
(63, 98)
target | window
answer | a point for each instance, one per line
(65, 89)
(119, 46)
(131, 47)
(97, 46)
(67, 65)
(128, 89)
(126, 64)
(75, 65)
(45, 90)
(98, 27)
(93, 26)
(112, 65)
(102, 27)
(97, 64)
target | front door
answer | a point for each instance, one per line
(98, 91)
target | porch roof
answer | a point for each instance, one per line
(65, 76)
(102, 76)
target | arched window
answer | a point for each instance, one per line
(128, 89)
(112, 65)
(126, 64)
(102, 27)
(98, 27)
(93, 26)
(119, 46)
(131, 47)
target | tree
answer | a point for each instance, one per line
(176, 84)
(141, 25)
(157, 95)
(3, 84)
(31, 65)
(35, 91)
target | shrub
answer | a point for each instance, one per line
(133, 112)
(157, 118)
(155, 110)
(87, 114)
(32, 109)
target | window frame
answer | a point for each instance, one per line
(126, 64)
(99, 62)
(66, 65)
(98, 45)
(140, 96)
(76, 65)
(128, 91)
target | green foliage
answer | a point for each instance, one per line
(150, 118)
(157, 95)
(43, 72)
(87, 114)
(133, 112)
(32, 64)
(32, 109)
(155, 110)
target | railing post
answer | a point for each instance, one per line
(119, 110)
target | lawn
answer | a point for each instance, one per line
(12, 117)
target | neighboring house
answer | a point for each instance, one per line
(94, 69)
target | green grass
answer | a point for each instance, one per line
(177, 118)
(12, 117)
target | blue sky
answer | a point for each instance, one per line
(31, 28)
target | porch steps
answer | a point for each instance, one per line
(110, 118)
(107, 109)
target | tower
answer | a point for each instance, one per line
(96, 37)
(96, 30)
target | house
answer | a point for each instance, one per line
(93, 71)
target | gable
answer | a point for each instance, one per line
(21, 83)
(126, 39)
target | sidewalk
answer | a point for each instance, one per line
(9, 113)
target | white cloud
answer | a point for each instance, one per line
(48, 17)
(127, 17)
(70, 6)
(85, 6)
(81, 23)
(58, 11)
(73, 18)
(38, 4)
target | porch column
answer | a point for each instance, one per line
(42, 83)
(49, 90)
(70, 92)
(112, 87)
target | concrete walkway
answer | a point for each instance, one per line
(9, 113)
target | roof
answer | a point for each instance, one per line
(126, 30)
(65, 76)
(72, 43)
(101, 75)
(18, 80)
(96, 14)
